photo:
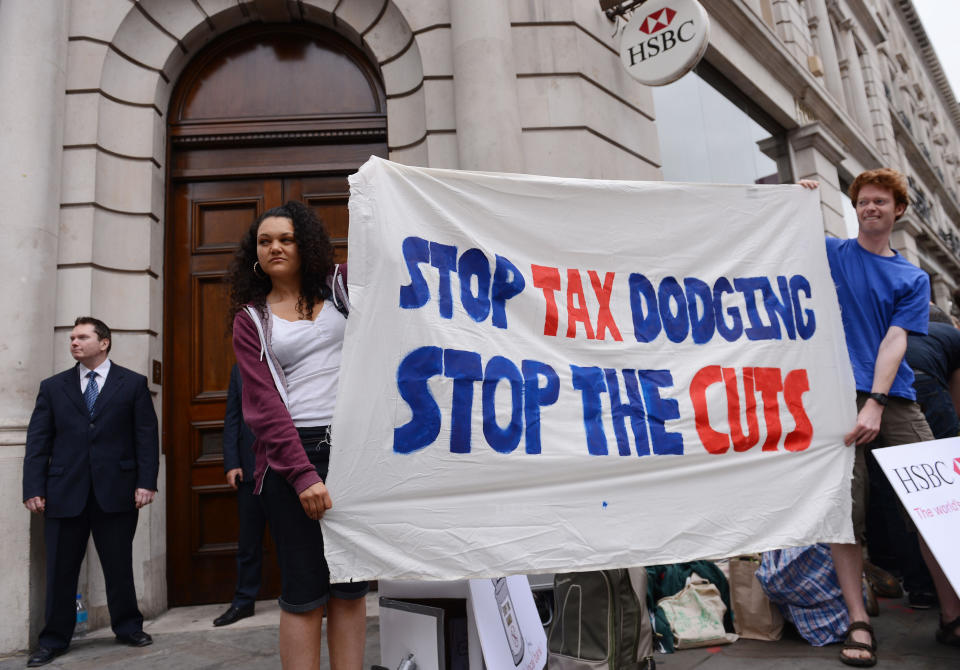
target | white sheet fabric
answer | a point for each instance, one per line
(684, 396)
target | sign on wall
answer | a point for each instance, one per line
(926, 477)
(544, 374)
(664, 39)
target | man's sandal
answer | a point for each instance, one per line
(850, 644)
(948, 633)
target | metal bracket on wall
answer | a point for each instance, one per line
(615, 8)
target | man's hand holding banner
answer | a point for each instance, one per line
(545, 374)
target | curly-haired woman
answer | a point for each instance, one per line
(286, 300)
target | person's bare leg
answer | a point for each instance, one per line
(848, 561)
(346, 632)
(300, 638)
(949, 602)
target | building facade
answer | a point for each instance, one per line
(141, 137)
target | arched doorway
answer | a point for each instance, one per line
(265, 114)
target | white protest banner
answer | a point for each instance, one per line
(926, 477)
(544, 374)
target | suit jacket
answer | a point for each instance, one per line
(114, 452)
(237, 437)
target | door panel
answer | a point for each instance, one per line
(327, 196)
(209, 219)
(241, 140)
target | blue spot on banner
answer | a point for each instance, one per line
(544, 374)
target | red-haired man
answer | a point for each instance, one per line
(882, 297)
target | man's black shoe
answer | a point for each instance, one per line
(138, 639)
(42, 656)
(921, 600)
(233, 615)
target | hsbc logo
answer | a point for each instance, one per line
(657, 21)
(925, 476)
(664, 42)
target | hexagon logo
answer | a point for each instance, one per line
(657, 21)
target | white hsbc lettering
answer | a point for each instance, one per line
(661, 42)
(924, 476)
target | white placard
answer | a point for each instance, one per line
(511, 633)
(926, 477)
(548, 375)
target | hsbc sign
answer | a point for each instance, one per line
(664, 40)
(926, 478)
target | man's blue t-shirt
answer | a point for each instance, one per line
(876, 292)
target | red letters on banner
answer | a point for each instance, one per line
(548, 279)
(769, 383)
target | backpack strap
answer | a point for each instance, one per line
(338, 288)
(638, 582)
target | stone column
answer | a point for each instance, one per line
(33, 57)
(904, 241)
(815, 156)
(485, 86)
(942, 293)
(879, 107)
(858, 90)
(820, 23)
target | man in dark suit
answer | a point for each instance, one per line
(91, 463)
(238, 464)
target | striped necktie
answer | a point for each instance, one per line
(90, 395)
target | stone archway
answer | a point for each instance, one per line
(265, 114)
(123, 59)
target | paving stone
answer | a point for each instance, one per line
(185, 639)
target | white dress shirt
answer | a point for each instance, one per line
(102, 371)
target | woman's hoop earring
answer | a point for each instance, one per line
(258, 271)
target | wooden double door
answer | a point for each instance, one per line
(265, 114)
(210, 217)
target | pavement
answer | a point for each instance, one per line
(185, 639)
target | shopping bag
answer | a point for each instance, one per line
(696, 615)
(754, 616)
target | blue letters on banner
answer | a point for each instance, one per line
(416, 293)
(444, 258)
(464, 368)
(700, 307)
(651, 413)
(505, 439)
(412, 375)
(733, 331)
(507, 283)
(805, 327)
(527, 396)
(535, 397)
(643, 305)
(680, 309)
(589, 381)
(492, 289)
(693, 310)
